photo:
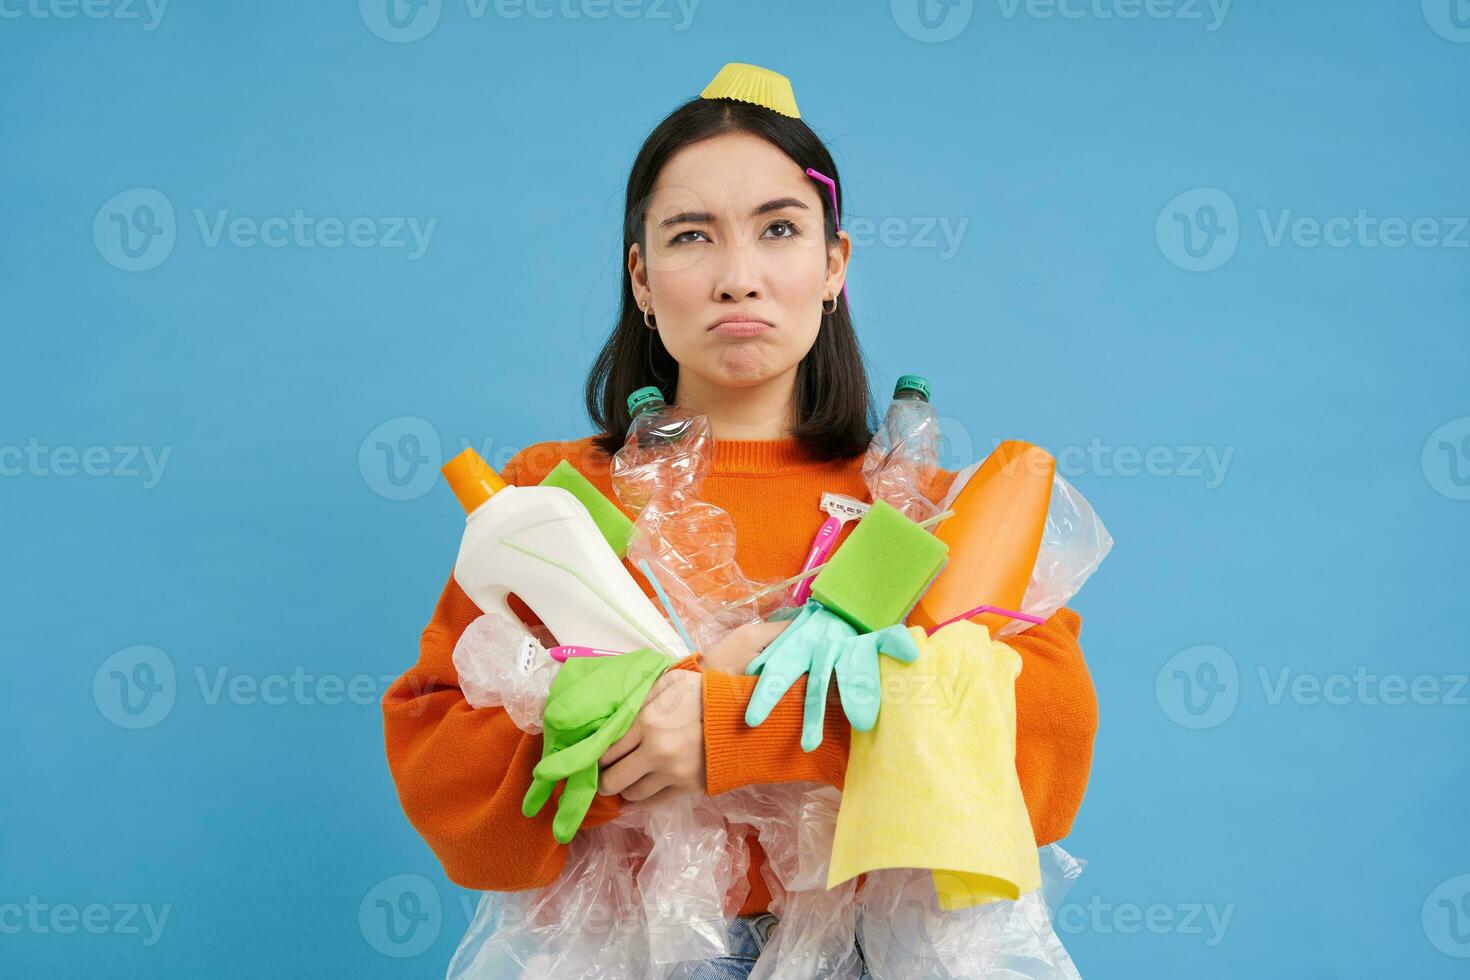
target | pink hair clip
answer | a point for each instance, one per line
(831, 189)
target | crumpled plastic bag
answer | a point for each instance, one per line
(593, 922)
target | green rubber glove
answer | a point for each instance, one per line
(592, 703)
(816, 643)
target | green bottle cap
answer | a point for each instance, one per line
(912, 382)
(643, 398)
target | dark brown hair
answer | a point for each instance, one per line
(835, 417)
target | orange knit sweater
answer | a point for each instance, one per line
(461, 772)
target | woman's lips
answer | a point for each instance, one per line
(742, 328)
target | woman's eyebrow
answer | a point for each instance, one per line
(704, 217)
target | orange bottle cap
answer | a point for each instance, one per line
(472, 479)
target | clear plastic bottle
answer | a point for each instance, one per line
(904, 455)
(689, 543)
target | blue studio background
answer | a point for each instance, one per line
(1213, 256)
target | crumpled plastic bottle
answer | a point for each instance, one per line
(687, 542)
(903, 457)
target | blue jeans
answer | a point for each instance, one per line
(746, 937)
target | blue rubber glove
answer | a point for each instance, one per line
(816, 643)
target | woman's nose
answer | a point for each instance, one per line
(739, 273)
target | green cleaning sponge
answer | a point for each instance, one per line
(881, 570)
(613, 523)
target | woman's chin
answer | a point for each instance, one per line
(743, 364)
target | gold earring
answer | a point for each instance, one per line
(826, 311)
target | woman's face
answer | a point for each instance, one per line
(737, 267)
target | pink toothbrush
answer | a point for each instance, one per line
(842, 509)
(561, 653)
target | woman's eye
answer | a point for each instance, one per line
(790, 226)
(679, 239)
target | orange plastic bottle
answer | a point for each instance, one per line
(993, 537)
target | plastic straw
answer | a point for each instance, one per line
(668, 606)
(1009, 613)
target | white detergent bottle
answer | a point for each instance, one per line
(541, 544)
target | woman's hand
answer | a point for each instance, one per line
(740, 646)
(662, 755)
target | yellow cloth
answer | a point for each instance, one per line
(934, 784)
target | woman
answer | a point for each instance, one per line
(733, 304)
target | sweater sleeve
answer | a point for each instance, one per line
(461, 772)
(1056, 721)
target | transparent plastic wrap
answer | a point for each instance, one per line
(903, 457)
(688, 543)
(500, 664)
(658, 880)
(1073, 543)
(896, 912)
(906, 936)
